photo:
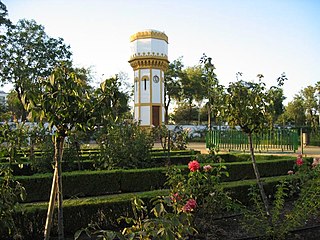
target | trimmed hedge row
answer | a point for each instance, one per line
(240, 157)
(176, 158)
(107, 209)
(95, 183)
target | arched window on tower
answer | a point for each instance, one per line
(144, 80)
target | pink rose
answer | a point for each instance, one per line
(207, 168)
(190, 205)
(290, 172)
(193, 166)
(316, 161)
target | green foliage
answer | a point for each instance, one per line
(3, 15)
(201, 185)
(11, 192)
(304, 186)
(27, 54)
(172, 85)
(124, 145)
(212, 90)
(247, 106)
(185, 114)
(12, 138)
(178, 139)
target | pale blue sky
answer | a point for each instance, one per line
(249, 36)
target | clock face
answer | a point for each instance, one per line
(156, 79)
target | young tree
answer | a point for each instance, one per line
(247, 107)
(27, 54)
(66, 103)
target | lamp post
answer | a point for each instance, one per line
(209, 67)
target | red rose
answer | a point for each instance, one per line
(194, 166)
(299, 161)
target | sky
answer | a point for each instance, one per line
(266, 37)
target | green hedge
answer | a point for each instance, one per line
(227, 157)
(95, 183)
(25, 168)
(78, 213)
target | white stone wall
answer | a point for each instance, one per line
(156, 87)
(145, 115)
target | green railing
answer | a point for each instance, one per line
(279, 139)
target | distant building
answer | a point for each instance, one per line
(3, 97)
(149, 60)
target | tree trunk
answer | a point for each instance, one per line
(166, 108)
(209, 117)
(52, 201)
(60, 142)
(56, 191)
(166, 114)
(256, 172)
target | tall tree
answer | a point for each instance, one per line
(309, 97)
(182, 114)
(172, 85)
(27, 54)
(294, 113)
(213, 91)
(276, 96)
(192, 89)
(3, 15)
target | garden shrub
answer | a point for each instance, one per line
(125, 145)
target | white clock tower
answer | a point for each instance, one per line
(149, 60)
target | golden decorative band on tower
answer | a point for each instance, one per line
(149, 34)
(148, 62)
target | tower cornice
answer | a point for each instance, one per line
(149, 62)
(149, 34)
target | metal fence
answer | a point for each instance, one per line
(234, 140)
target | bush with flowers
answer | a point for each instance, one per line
(303, 187)
(173, 216)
